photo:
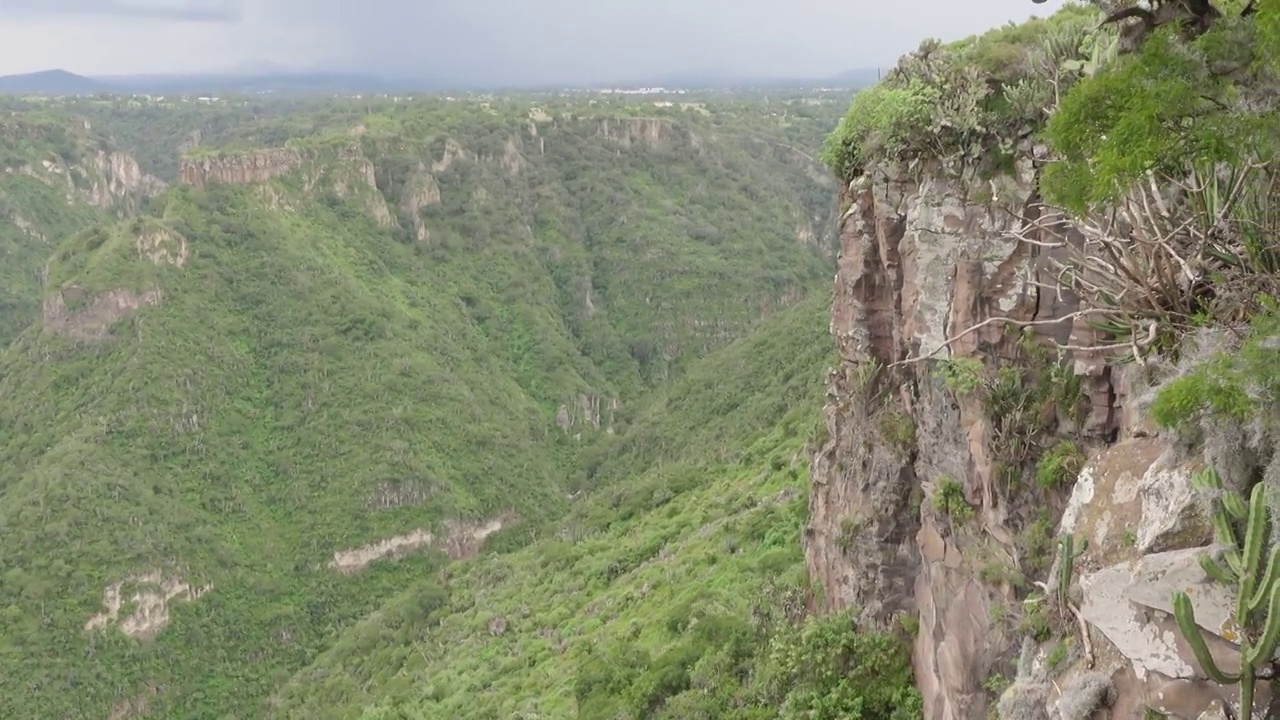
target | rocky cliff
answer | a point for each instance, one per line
(238, 168)
(1031, 442)
(971, 427)
(101, 178)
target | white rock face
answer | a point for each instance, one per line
(1138, 486)
(1131, 603)
(1149, 648)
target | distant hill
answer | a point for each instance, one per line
(61, 82)
(857, 78)
(48, 82)
(260, 82)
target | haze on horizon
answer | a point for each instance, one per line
(486, 41)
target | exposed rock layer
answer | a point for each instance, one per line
(238, 168)
(938, 263)
(926, 254)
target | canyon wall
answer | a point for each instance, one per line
(924, 499)
(238, 168)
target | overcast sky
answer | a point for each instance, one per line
(513, 41)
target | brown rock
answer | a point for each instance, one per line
(921, 260)
(239, 168)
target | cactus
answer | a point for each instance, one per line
(1257, 612)
(1068, 554)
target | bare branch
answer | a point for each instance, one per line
(1007, 321)
(1084, 635)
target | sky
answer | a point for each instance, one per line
(502, 41)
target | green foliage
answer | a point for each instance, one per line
(1037, 543)
(314, 378)
(1256, 620)
(1022, 398)
(830, 670)
(1232, 385)
(1035, 621)
(968, 98)
(961, 375)
(949, 499)
(850, 531)
(1162, 109)
(658, 595)
(881, 120)
(1179, 139)
(40, 154)
(996, 684)
(1060, 465)
(897, 429)
(1058, 655)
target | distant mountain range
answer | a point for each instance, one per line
(62, 82)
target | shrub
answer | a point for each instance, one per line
(880, 121)
(1060, 465)
(1235, 385)
(965, 98)
(829, 668)
(949, 500)
(899, 430)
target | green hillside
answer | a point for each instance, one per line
(52, 184)
(674, 591)
(261, 412)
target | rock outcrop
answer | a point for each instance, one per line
(74, 313)
(103, 179)
(458, 540)
(116, 180)
(152, 593)
(239, 168)
(421, 192)
(926, 255)
(923, 494)
(648, 132)
(354, 177)
(587, 411)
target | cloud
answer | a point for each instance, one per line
(165, 10)
(492, 42)
(532, 41)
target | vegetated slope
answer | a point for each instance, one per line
(56, 177)
(635, 217)
(676, 590)
(250, 389)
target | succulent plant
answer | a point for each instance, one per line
(1257, 611)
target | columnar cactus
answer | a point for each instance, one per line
(1069, 553)
(1257, 613)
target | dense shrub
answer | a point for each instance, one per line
(968, 97)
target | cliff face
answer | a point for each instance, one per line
(106, 180)
(239, 168)
(921, 259)
(115, 180)
(922, 496)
